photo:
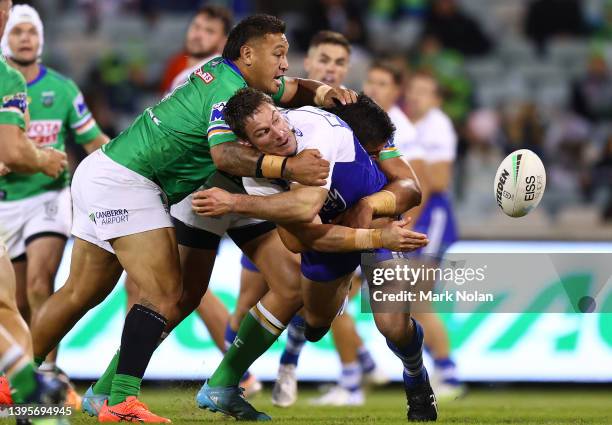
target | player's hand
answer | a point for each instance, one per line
(4, 170)
(212, 202)
(397, 237)
(53, 162)
(339, 95)
(359, 216)
(307, 168)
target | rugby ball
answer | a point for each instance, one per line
(519, 183)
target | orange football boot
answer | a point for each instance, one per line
(131, 410)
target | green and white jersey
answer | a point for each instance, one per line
(170, 142)
(56, 108)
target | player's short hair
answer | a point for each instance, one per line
(214, 11)
(390, 68)
(241, 106)
(369, 122)
(329, 37)
(252, 27)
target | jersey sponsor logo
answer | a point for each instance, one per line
(216, 113)
(110, 216)
(334, 202)
(207, 77)
(47, 98)
(17, 102)
(44, 132)
(79, 105)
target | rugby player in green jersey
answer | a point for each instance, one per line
(38, 212)
(121, 197)
(20, 154)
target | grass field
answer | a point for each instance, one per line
(388, 406)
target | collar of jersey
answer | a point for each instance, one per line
(41, 73)
(233, 66)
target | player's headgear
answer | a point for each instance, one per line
(20, 14)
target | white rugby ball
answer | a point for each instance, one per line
(519, 183)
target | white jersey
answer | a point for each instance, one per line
(184, 74)
(436, 134)
(314, 129)
(352, 173)
(404, 137)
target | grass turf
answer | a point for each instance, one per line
(529, 406)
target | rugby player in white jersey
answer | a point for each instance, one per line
(433, 158)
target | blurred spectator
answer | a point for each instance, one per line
(592, 93)
(343, 16)
(601, 177)
(455, 29)
(550, 18)
(173, 67)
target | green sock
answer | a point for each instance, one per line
(123, 387)
(38, 361)
(104, 384)
(23, 383)
(256, 334)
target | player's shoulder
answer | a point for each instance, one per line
(61, 82)
(11, 78)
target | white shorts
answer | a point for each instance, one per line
(46, 214)
(110, 201)
(218, 225)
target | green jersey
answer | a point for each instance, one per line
(56, 108)
(13, 96)
(170, 142)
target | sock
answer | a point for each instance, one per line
(23, 383)
(142, 331)
(38, 360)
(295, 341)
(104, 384)
(446, 368)
(47, 366)
(412, 357)
(350, 379)
(365, 359)
(258, 331)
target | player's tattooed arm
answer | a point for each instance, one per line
(301, 92)
(308, 167)
(299, 205)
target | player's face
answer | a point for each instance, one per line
(24, 41)
(204, 37)
(421, 96)
(379, 85)
(328, 63)
(268, 62)
(270, 132)
(5, 8)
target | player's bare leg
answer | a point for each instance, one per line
(20, 268)
(11, 320)
(214, 315)
(44, 255)
(259, 329)
(93, 275)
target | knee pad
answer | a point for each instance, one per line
(313, 334)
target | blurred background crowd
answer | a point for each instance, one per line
(515, 74)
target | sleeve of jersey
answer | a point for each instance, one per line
(218, 131)
(14, 101)
(442, 143)
(281, 90)
(82, 123)
(389, 151)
